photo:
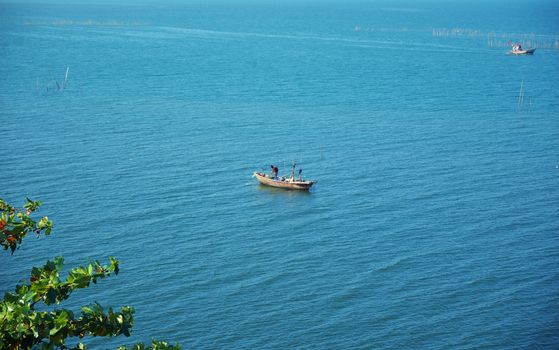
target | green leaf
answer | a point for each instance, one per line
(50, 296)
(61, 319)
(114, 265)
(54, 330)
(20, 328)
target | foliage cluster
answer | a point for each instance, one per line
(24, 326)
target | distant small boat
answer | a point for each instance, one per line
(523, 52)
(286, 183)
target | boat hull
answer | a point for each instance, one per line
(286, 184)
(523, 52)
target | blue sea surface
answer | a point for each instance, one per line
(434, 223)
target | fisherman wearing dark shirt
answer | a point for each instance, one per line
(274, 171)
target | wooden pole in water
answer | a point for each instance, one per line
(521, 94)
(66, 78)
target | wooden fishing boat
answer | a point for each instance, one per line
(523, 52)
(286, 183)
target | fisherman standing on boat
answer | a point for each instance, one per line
(300, 174)
(275, 171)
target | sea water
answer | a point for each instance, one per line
(435, 219)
